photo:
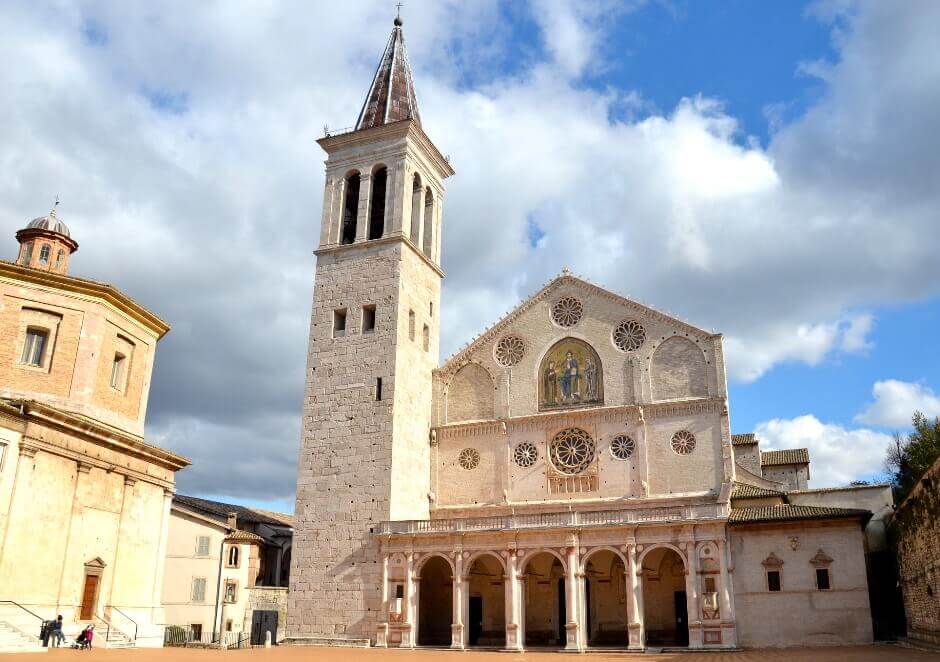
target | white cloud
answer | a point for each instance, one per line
(837, 455)
(896, 401)
(182, 145)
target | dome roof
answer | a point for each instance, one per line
(50, 222)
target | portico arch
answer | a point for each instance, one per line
(435, 600)
(665, 609)
(544, 599)
(605, 598)
(486, 600)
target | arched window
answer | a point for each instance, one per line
(377, 203)
(28, 254)
(233, 556)
(58, 258)
(416, 191)
(44, 254)
(428, 222)
(350, 208)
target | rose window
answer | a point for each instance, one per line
(509, 351)
(683, 442)
(567, 311)
(469, 458)
(572, 451)
(525, 454)
(629, 335)
(622, 447)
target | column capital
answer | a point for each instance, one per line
(27, 450)
(129, 481)
(83, 467)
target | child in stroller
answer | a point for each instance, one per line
(83, 640)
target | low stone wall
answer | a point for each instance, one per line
(915, 531)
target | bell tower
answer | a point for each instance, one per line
(374, 338)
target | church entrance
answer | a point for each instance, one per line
(435, 603)
(487, 612)
(665, 613)
(545, 613)
(605, 594)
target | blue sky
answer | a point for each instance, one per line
(763, 169)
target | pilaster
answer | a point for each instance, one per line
(635, 599)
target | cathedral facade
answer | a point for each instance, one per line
(567, 479)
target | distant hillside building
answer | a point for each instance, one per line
(84, 499)
(568, 478)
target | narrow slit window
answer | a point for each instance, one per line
(34, 346)
(27, 254)
(427, 337)
(350, 209)
(411, 325)
(339, 322)
(773, 580)
(58, 259)
(368, 319)
(377, 204)
(44, 254)
(431, 308)
(378, 389)
(822, 579)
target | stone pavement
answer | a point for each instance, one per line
(877, 653)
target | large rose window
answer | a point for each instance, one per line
(572, 451)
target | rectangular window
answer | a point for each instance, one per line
(117, 371)
(199, 589)
(822, 579)
(773, 580)
(196, 629)
(427, 338)
(202, 546)
(231, 591)
(411, 325)
(228, 625)
(339, 322)
(34, 346)
(378, 388)
(368, 319)
(709, 584)
(399, 590)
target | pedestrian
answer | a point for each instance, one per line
(57, 636)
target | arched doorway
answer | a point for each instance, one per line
(435, 603)
(486, 622)
(606, 600)
(545, 609)
(665, 612)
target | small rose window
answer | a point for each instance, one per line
(683, 442)
(629, 336)
(572, 451)
(567, 311)
(469, 458)
(509, 351)
(622, 447)
(525, 454)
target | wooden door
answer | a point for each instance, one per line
(89, 595)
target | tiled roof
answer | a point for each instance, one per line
(745, 491)
(787, 456)
(788, 512)
(743, 439)
(391, 97)
(219, 511)
(244, 536)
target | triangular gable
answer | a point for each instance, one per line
(463, 355)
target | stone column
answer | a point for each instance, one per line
(728, 634)
(514, 626)
(362, 213)
(635, 599)
(410, 632)
(457, 638)
(327, 219)
(572, 593)
(417, 217)
(381, 637)
(157, 599)
(691, 590)
(122, 523)
(439, 212)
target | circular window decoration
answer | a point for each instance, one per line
(567, 311)
(622, 447)
(525, 454)
(683, 442)
(629, 335)
(509, 351)
(572, 451)
(469, 458)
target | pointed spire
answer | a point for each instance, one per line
(391, 97)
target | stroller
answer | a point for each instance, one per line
(83, 640)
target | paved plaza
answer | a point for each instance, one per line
(877, 653)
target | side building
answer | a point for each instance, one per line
(227, 570)
(84, 499)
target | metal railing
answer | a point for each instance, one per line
(133, 622)
(26, 611)
(569, 519)
(180, 637)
